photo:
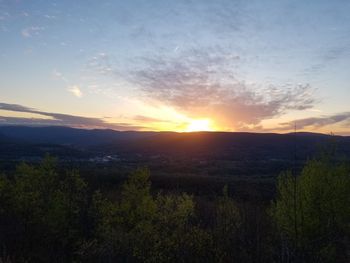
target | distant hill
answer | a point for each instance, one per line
(227, 145)
(238, 146)
(66, 135)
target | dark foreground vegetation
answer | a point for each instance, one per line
(50, 215)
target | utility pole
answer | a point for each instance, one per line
(295, 195)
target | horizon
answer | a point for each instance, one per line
(184, 66)
(179, 132)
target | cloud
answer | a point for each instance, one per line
(318, 122)
(101, 63)
(59, 75)
(203, 84)
(49, 16)
(146, 119)
(75, 90)
(328, 57)
(171, 22)
(59, 119)
(31, 31)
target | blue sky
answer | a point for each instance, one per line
(169, 65)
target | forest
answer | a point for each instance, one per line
(50, 214)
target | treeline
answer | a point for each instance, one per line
(47, 215)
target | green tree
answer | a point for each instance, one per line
(226, 229)
(105, 241)
(144, 228)
(315, 218)
(47, 212)
(178, 238)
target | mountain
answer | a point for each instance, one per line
(215, 145)
(66, 135)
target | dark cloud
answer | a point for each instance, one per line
(318, 122)
(28, 121)
(59, 119)
(15, 107)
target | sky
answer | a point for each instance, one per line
(185, 65)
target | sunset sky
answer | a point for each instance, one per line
(257, 66)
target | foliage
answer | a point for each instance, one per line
(46, 210)
(312, 211)
(50, 215)
(149, 229)
(226, 229)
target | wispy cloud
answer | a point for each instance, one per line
(31, 31)
(328, 57)
(59, 119)
(204, 83)
(318, 122)
(181, 19)
(59, 75)
(75, 90)
(146, 119)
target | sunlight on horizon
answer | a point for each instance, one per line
(199, 125)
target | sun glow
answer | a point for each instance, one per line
(199, 125)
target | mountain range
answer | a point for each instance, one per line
(17, 140)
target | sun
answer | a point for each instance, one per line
(199, 125)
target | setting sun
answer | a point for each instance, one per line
(199, 125)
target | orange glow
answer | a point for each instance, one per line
(199, 125)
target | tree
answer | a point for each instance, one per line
(178, 238)
(47, 212)
(104, 242)
(226, 229)
(144, 228)
(322, 210)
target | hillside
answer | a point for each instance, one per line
(210, 144)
